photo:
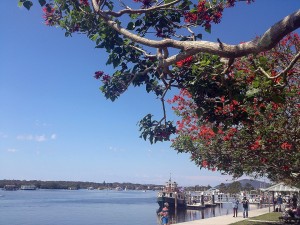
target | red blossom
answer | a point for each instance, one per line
(201, 6)
(49, 15)
(285, 168)
(263, 160)
(98, 74)
(286, 146)
(257, 144)
(106, 78)
(205, 164)
(206, 132)
(84, 2)
(185, 62)
(190, 17)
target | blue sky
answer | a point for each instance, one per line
(56, 125)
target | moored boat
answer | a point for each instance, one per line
(196, 205)
(28, 187)
(173, 195)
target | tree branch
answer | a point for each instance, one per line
(269, 39)
(140, 11)
(292, 63)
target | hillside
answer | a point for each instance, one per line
(255, 183)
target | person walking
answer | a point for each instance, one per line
(235, 206)
(294, 201)
(245, 203)
(165, 214)
(279, 202)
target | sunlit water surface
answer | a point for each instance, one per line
(91, 207)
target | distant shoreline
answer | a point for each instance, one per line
(75, 185)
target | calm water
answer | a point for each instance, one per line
(90, 207)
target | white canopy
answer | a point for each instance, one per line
(281, 187)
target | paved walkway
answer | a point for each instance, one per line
(227, 219)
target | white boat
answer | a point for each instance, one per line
(28, 187)
(196, 205)
(254, 197)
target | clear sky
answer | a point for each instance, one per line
(56, 125)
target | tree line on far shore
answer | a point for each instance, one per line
(78, 185)
(233, 187)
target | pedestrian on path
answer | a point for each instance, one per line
(235, 206)
(165, 214)
(279, 202)
(245, 203)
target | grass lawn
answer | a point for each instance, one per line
(266, 217)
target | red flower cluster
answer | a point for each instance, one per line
(84, 2)
(290, 40)
(190, 17)
(206, 132)
(204, 15)
(285, 168)
(185, 62)
(256, 145)
(49, 15)
(98, 74)
(229, 134)
(105, 77)
(286, 146)
(231, 107)
(264, 160)
(205, 164)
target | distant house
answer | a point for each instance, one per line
(10, 187)
(73, 188)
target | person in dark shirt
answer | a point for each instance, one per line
(294, 201)
(245, 204)
(279, 203)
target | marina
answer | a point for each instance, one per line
(177, 198)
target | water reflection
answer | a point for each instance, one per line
(180, 216)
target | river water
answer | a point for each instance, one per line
(91, 207)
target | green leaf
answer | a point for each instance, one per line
(252, 92)
(256, 83)
(134, 16)
(20, 4)
(130, 26)
(138, 23)
(94, 37)
(278, 99)
(199, 112)
(199, 36)
(27, 5)
(42, 2)
(215, 129)
(208, 30)
(118, 50)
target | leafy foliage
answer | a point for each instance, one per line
(228, 126)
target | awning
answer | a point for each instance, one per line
(281, 187)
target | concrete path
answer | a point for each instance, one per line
(227, 219)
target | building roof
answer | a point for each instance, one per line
(281, 187)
